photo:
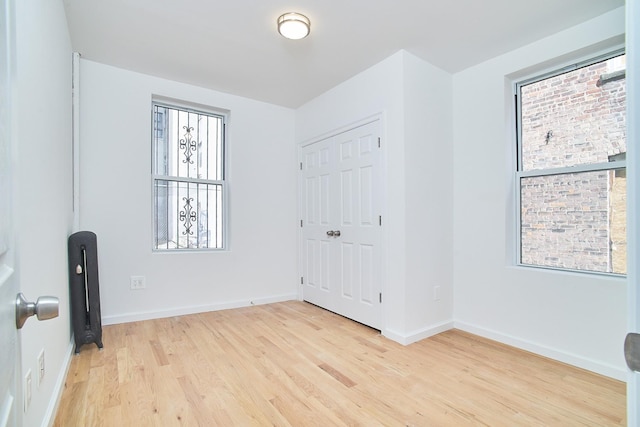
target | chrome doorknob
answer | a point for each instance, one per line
(632, 351)
(329, 233)
(44, 308)
(336, 233)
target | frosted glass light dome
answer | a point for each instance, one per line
(294, 26)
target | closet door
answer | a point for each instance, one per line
(341, 225)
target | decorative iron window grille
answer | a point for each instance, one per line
(188, 178)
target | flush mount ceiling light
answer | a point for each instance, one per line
(294, 26)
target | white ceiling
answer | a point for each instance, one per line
(233, 46)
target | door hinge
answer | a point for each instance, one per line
(300, 223)
(378, 142)
(380, 297)
(302, 280)
(300, 165)
(380, 220)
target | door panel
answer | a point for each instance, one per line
(9, 345)
(342, 189)
(346, 186)
(324, 265)
(9, 353)
(346, 264)
(367, 273)
(366, 196)
(325, 202)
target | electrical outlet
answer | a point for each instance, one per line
(138, 282)
(27, 390)
(436, 293)
(40, 367)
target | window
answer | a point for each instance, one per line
(571, 175)
(188, 178)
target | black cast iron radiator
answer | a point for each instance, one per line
(84, 289)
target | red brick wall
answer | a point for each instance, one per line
(567, 220)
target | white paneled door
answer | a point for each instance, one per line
(342, 224)
(9, 413)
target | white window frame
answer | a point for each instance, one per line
(224, 182)
(520, 174)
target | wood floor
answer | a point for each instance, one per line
(294, 364)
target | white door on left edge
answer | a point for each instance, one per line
(9, 353)
(341, 232)
(8, 342)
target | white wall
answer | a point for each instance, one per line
(428, 174)
(576, 318)
(415, 100)
(115, 194)
(43, 212)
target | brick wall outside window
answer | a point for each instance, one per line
(574, 220)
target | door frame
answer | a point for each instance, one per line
(384, 239)
(633, 197)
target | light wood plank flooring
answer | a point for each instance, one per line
(294, 364)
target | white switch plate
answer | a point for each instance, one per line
(138, 282)
(27, 390)
(40, 367)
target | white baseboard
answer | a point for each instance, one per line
(58, 388)
(181, 311)
(552, 353)
(420, 334)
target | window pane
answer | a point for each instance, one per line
(188, 215)
(188, 182)
(188, 144)
(575, 221)
(575, 118)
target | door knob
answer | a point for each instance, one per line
(329, 233)
(632, 351)
(336, 233)
(44, 308)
